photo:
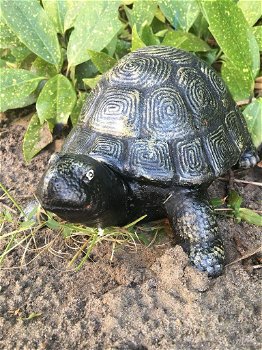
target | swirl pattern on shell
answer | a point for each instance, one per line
(150, 159)
(233, 125)
(140, 72)
(161, 114)
(165, 52)
(78, 141)
(191, 160)
(219, 148)
(165, 114)
(197, 93)
(116, 112)
(107, 148)
(86, 111)
(214, 79)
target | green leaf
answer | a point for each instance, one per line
(252, 10)
(16, 86)
(257, 31)
(30, 23)
(56, 101)
(56, 10)
(122, 48)
(101, 60)
(53, 224)
(66, 231)
(234, 201)
(250, 216)
(137, 42)
(91, 82)
(95, 27)
(43, 68)
(160, 16)
(239, 84)
(85, 70)
(142, 13)
(111, 47)
(180, 13)
(20, 52)
(253, 116)
(7, 38)
(8, 58)
(159, 27)
(74, 116)
(26, 225)
(74, 9)
(233, 34)
(209, 56)
(217, 202)
(142, 238)
(185, 41)
(148, 36)
(2, 64)
(161, 33)
(200, 28)
(37, 136)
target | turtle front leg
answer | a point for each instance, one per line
(193, 219)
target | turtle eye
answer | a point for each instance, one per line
(90, 174)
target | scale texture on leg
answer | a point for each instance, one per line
(193, 219)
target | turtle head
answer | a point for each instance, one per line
(76, 188)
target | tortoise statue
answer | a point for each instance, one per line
(157, 129)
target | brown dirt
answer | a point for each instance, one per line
(149, 299)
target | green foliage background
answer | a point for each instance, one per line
(54, 51)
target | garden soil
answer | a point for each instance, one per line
(145, 298)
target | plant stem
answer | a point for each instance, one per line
(242, 181)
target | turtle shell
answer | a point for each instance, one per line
(162, 115)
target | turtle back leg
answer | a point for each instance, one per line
(193, 219)
(249, 158)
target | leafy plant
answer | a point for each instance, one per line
(233, 209)
(253, 116)
(54, 51)
(234, 201)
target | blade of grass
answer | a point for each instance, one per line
(80, 250)
(91, 246)
(11, 247)
(12, 199)
(20, 230)
(135, 222)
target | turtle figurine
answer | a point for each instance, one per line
(154, 133)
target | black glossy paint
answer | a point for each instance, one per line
(155, 133)
(193, 219)
(109, 199)
(65, 190)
